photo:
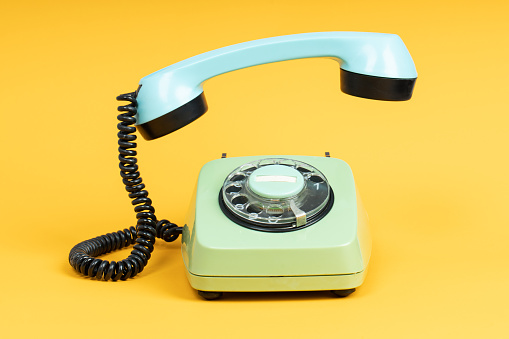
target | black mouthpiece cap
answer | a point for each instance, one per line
(378, 88)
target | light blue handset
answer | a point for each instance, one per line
(373, 65)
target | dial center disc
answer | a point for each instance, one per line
(276, 182)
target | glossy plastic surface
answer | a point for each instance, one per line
(217, 252)
(374, 54)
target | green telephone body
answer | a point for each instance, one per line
(332, 254)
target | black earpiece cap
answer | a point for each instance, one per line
(174, 120)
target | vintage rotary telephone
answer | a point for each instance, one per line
(259, 223)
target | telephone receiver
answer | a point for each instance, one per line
(256, 223)
(373, 65)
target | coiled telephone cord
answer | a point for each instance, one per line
(83, 256)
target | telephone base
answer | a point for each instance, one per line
(223, 256)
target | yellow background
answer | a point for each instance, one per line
(432, 171)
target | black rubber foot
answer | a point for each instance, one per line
(210, 295)
(343, 293)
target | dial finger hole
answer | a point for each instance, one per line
(316, 179)
(287, 162)
(303, 170)
(240, 200)
(254, 208)
(233, 189)
(275, 211)
(248, 169)
(266, 162)
(238, 177)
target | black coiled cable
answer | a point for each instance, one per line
(83, 256)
